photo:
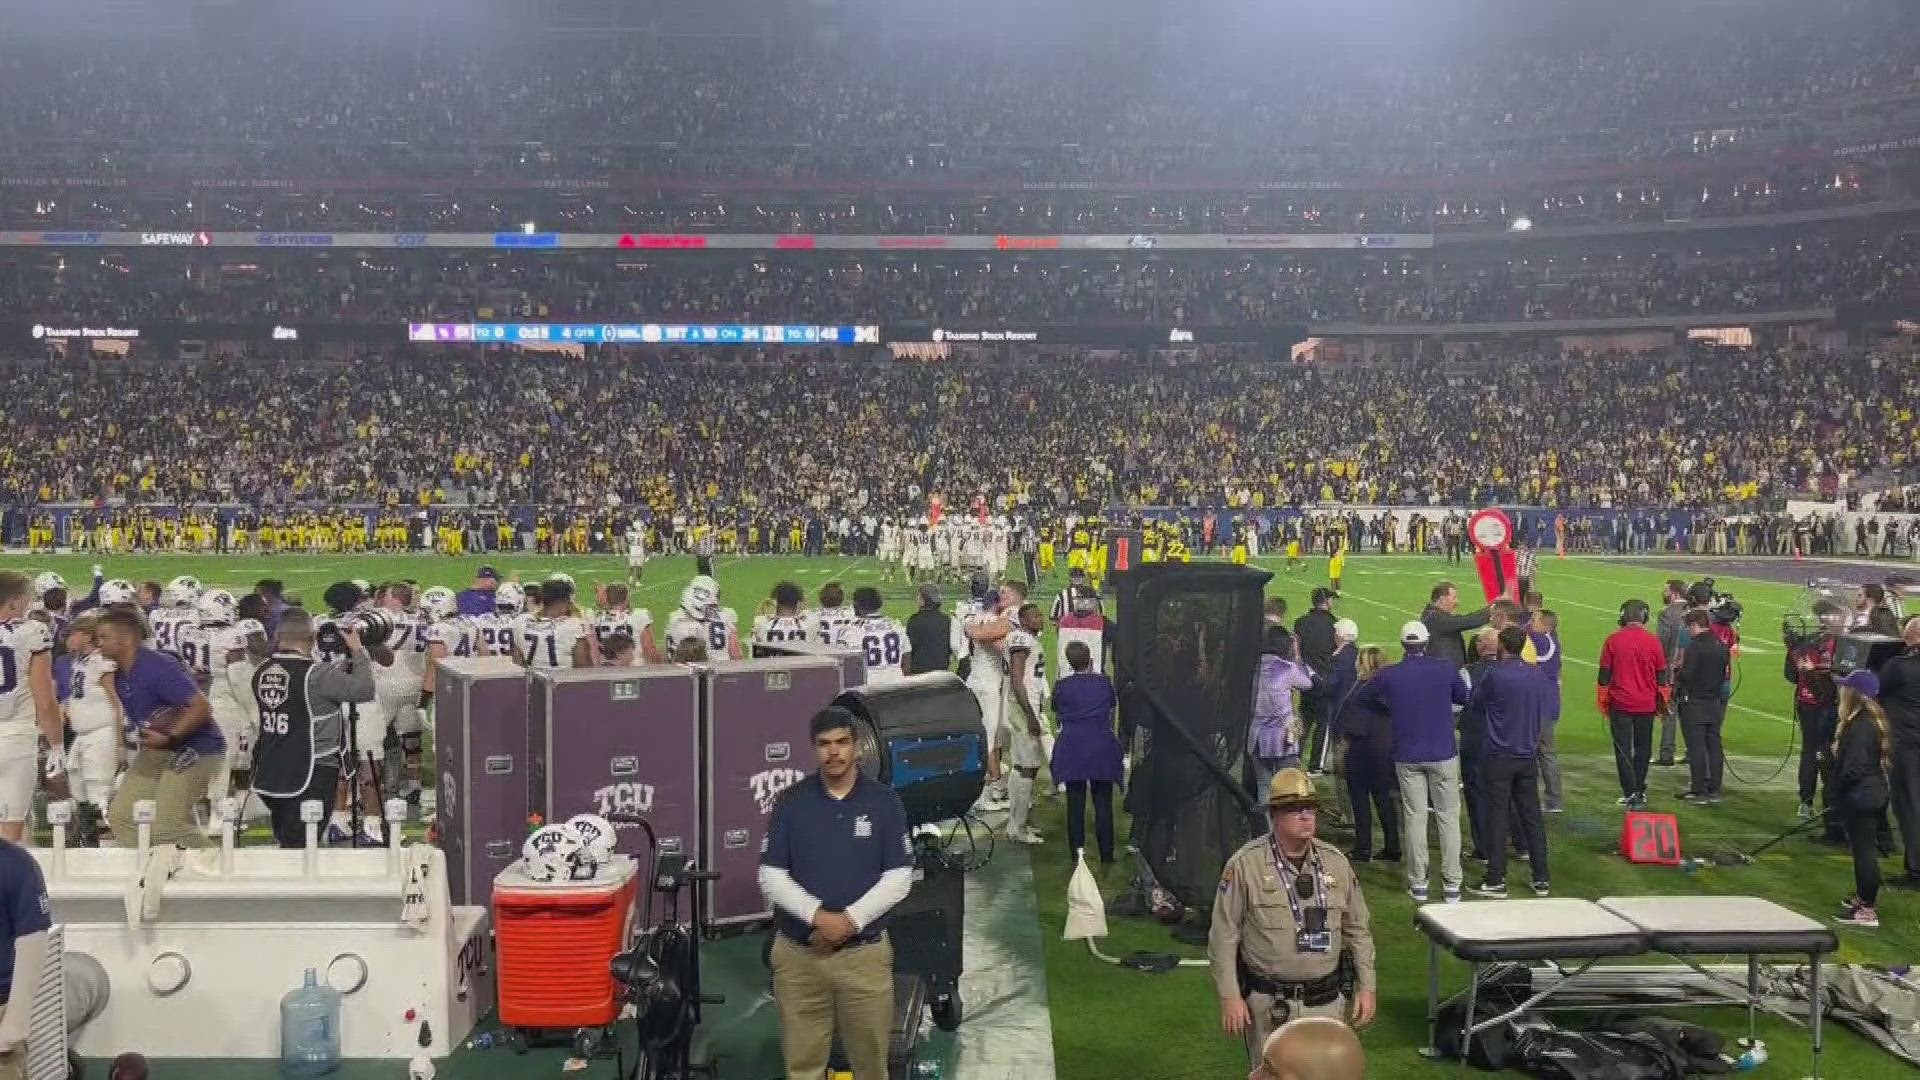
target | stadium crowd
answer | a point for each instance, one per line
(689, 432)
(956, 288)
(897, 104)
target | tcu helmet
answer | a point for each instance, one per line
(560, 576)
(118, 591)
(46, 583)
(597, 834)
(701, 597)
(183, 591)
(552, 853)
(509, 598)
(439, 603)
(217, 607)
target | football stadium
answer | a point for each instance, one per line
(997, 542)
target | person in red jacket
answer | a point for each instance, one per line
(1633, 687)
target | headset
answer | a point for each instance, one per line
(1635, 611)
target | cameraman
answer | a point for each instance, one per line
(303, 704)
(1809, 667)
(1672, 630)
(1900, 696)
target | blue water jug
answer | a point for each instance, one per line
(310, 1029)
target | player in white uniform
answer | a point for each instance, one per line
(616, 619)
(786, 624)
(832, 614)
(882, 640)
(175, 614)
(636, 552)
(396, 690)
(985, 631)
(502, 628)
(29, 708)
(701, 618)
(93, 712)
(221, 649)
(556, 637)
(889, 548)
(1022, 731)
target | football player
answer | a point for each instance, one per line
(785, 623)
(396, 688)
(636, 552)
(985, 629)
(701, 618)
(882, 640)
(175, 613)
(94, 714)
(616, 618)
(500, 629)
(555, 637)
(832, 614)
(1022, 735)
(29, 708)
(222, 649)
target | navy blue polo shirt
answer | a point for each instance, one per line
(24, 907)
(836, 849)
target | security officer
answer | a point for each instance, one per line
(1289, 925)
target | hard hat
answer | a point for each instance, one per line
(1291, 787)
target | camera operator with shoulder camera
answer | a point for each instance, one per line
(349, 604)
(1809, 667)
(302, 704)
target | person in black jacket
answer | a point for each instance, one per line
(1900, 697)
(930, 632)
(1699, 689)
(1371, 780)
(1861, 750)
(1445, 625)
(1314, 630)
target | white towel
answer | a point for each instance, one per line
(414, 909)
(145, 888)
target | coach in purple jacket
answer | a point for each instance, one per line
(1086, 756)
(1419, 693)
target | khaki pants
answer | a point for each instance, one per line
(850, 991)
(159, 775)
(1269, 1014)
(13, 1066)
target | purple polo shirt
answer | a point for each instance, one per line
(155, 681)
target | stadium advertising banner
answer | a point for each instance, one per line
(1094, 335)
(677, 242)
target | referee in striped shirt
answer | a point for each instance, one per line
(1526, 565)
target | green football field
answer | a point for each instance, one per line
(1110, 1022)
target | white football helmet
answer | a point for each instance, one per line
(118, 591)
(551, 853)
(558, 576)
(509, 598)
(439, 603)
(217, 607)
(701, 597)
(597, 833)
(46, 583)
(186, 585)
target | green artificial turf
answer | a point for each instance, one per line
(1110, 1022)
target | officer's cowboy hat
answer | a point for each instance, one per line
(1291, 789)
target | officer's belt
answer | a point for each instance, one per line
(1322, 991)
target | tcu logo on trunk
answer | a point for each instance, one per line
(768, 785)
(624, 798)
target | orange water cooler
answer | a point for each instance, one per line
(556, 942)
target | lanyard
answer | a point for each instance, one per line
(1289, 882)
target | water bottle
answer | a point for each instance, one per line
(310, 1029)
(481, 1040)
(928, 1069)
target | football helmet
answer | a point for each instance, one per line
(559, 576)
(552, 853)
(46, 583)
(701, 598)
(186, 588)
(598, 836)
(118, 591)
(217, 607)
(509, 598)
(439, 603)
